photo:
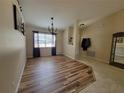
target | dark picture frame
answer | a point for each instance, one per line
(115, 40)
(18, 22)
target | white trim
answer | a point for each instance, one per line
(20, 78)
(97, 59)
(59, 54)
(101, 60)
(69, 56)
(29, 57)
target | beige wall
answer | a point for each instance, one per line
(12, 50)
(71, 51)
(101, 32)
(29, 40)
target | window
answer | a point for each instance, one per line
(44, 40)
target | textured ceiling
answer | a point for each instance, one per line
(66, 12)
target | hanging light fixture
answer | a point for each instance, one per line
(51, 28)
(83, 27)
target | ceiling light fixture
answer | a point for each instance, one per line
(51, 28)
(83, 27)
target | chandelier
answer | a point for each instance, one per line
(83, 27)
(51, 28)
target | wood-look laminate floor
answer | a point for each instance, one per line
(55, 75)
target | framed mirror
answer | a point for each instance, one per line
(117, 50)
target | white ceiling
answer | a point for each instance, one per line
(66, 12)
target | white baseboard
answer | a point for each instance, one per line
(20, 78)
(29, 57)
(97, 59)
(69, 56)
(101, 60)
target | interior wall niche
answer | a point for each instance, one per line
(71, 35)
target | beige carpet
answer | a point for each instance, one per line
(109, 79)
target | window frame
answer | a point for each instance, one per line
(45, 44)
